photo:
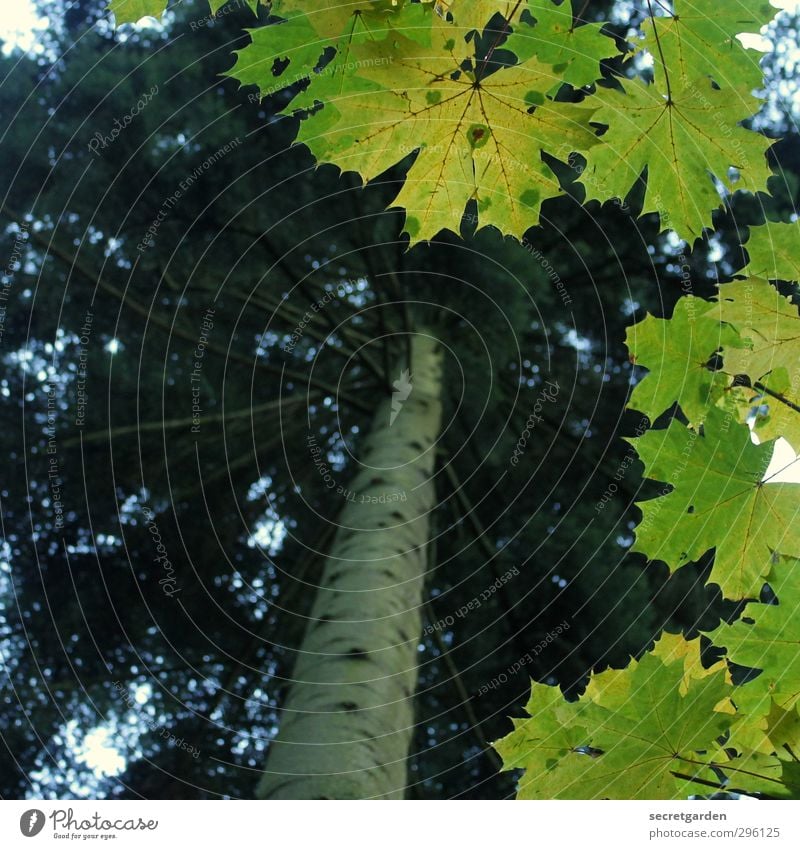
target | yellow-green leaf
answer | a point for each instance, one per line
(768, 638)
(474, 15)
(131, 11)
(699, 39)
(474, 138)
(770, 325)
(773, 251)
(642, 747)
(676, 351)
(216, 5)
(682, 141)
(573, 52)
(717, 501)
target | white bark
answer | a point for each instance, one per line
(348, 719)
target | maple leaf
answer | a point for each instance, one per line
(783, 729)
(676, 352)
(756, 774)
(611, 687)
(216, 5)
(699, 39)
(767, 637)
(284, 53)
(766, 319)
(538, 744)
(683, 139)
(718, 501)
(773, 253)
(790, 778)
(674, 647)
(474, 15)
(131, 11)
(761, 725)
(573, 52)
(665, 727)
(770, 325)
(476, 137)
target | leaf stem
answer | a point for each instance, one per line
(579, 16)
(665, 8)
(776, 396)
(500, 36)
(661, 53)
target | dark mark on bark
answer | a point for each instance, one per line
(358, 654)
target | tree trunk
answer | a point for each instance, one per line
(348, 718)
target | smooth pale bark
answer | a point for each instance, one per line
(348, 719)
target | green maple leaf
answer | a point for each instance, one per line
(718, 501)
(131, 11)
(672, 648)
(639, 748)
(539, 744)
(762, 725)
(573, 52)
(757, 774)
(478, 138)
(216, 5)
(750, 730)
(285, 53)
(767, 320)
(773, 252)
(676, 352)
(770, 325)
(790, 778)
(683, 140)
(699, 39)
(767, 637)
(783, 729)
(474, 15)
